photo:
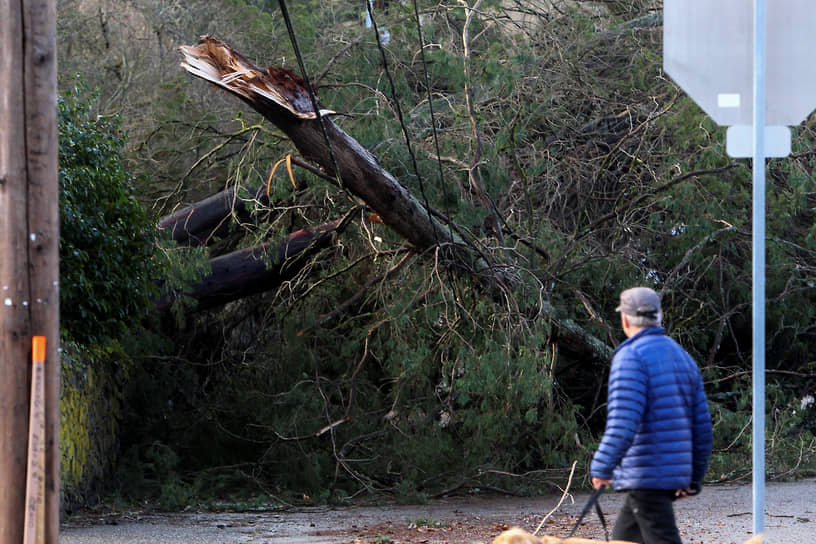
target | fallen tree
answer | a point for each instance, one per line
(281, 97)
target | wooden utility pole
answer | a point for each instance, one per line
(29, 252)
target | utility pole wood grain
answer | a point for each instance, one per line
(29, 250)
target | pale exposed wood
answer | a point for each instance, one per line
(34, 525)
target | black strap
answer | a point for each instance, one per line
(593, 500)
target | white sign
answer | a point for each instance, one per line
(739, 141)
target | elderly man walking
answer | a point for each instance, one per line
(657, 441)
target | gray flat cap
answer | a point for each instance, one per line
(639, 301)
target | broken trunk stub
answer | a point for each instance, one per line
(215, 61)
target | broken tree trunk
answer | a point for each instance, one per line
(199, 223)
(281, 97)
(257, 269)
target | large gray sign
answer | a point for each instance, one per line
(708, 51)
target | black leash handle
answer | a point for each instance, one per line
(593, 501)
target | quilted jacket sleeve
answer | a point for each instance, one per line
(702, 438)
(628, 383)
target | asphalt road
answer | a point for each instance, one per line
(721, 514)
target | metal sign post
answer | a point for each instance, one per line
(758, 264)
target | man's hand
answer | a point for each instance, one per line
(687, 492)
(597, 483)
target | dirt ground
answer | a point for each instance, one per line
(722, 514)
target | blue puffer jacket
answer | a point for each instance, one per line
(658, 429)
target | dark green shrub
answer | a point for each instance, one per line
(107, 266)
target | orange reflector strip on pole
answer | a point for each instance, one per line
(38, 349)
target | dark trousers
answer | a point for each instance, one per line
(647, 517)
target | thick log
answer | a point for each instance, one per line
(257, 269)
(199, 223)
